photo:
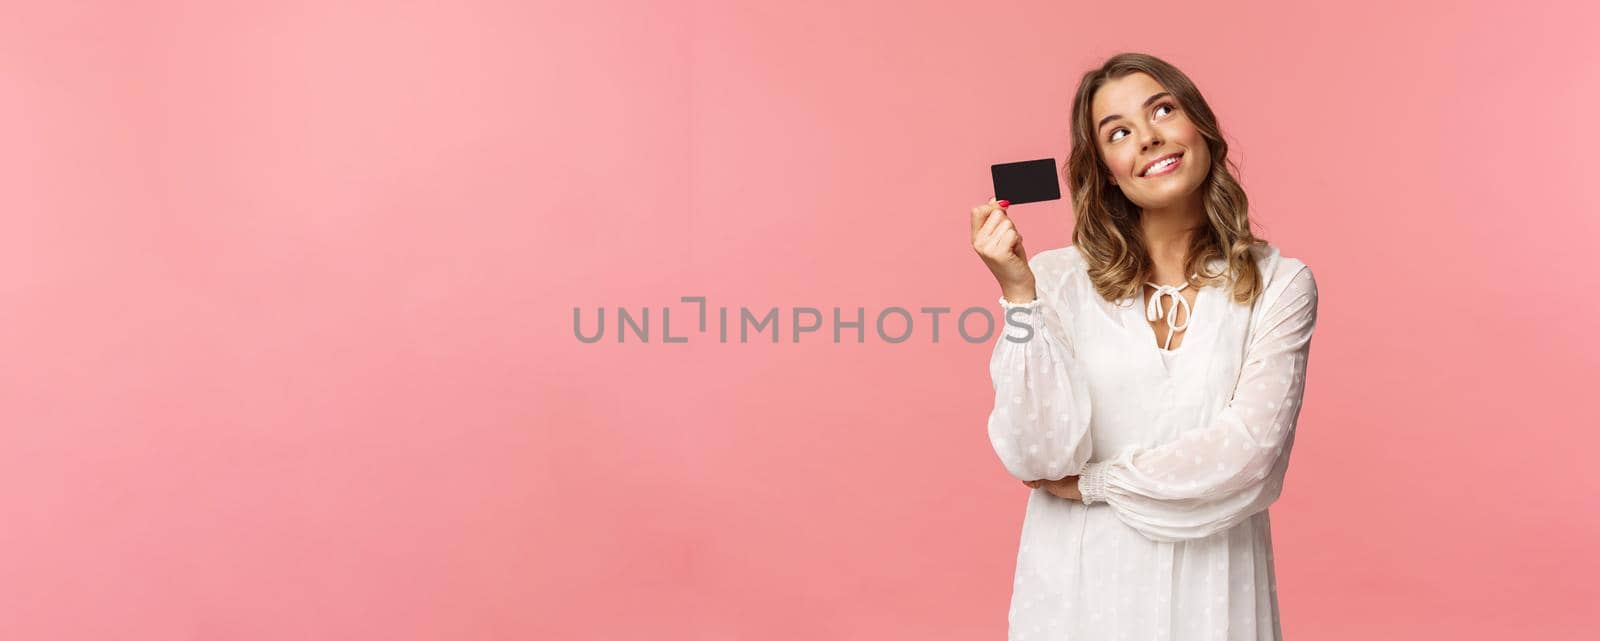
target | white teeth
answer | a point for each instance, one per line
(1160, 165)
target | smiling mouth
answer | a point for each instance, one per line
(1163, 167)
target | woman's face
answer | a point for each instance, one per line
(1138, 123)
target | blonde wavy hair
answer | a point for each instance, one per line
(1107, 230)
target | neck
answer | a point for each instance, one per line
(1168, 232)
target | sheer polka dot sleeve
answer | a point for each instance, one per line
(1039, 426)
(1211, 478)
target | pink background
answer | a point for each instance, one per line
(286, 292)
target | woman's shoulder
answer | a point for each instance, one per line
(1061, 272)
(1284, 279)
(1276, 268)
(1057, 264)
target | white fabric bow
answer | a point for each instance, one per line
(1154, 312)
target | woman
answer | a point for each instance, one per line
(1153, 406)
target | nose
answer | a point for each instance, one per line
(1152, 138)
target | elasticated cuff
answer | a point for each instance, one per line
(1092, 483)
(1028, 305)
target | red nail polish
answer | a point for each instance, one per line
(1004, 204)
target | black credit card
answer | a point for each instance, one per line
(1029, 181)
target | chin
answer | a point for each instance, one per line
(1168, 197)
(1175, 192)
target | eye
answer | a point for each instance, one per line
(1168, 105)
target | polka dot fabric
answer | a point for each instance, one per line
(1179, 454)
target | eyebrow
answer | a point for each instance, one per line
(1147, 102)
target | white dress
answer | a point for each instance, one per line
(1179, 453)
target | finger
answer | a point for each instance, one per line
(980, 214)
(991, 246)
(1005, 241)
(1006, 225)
(1005, 218)
(991, 224)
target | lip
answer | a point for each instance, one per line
(1170, 168)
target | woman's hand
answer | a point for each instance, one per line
(1066, 488)
(999, 244)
